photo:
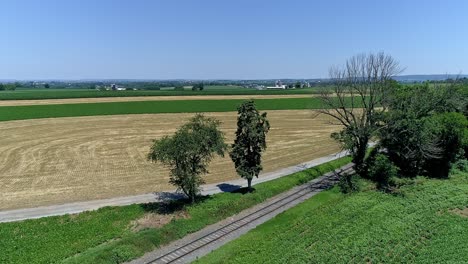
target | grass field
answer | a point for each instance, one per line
(8, 113)
(75, 93)
(427, 223)
(107, 236)
(52, 161)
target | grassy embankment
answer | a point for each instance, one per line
(105, 236)
(424, 224)
(76, 93)
(8, 113)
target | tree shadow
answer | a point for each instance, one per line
(226, 187)
(244, 190)
(171, 203)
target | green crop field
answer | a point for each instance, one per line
(426, 223)
(106, 235)
(37, 94)
(149, 107)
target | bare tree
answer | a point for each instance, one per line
(359, 94)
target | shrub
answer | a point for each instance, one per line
(349, 183)
(382, 171)
(451, 131)
(459, 165)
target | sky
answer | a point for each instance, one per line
(225, 39)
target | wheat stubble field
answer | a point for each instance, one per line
(60, 160)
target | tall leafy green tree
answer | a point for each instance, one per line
(250, 142)
(189, 151)
(423, 130)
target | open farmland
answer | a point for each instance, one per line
(148, 98)
(50, 161)
(75, 93)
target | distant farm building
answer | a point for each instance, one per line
(114, 87)
(278, 85)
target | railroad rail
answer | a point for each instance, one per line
(303, 192)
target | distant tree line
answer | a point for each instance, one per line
(9, 86)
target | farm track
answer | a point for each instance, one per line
(64, 160)
(148, 98)
(212, 237)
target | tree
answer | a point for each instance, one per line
(2, 87)
(250, 142)
(198, 87)
(357, 98)
(298, 85)
(47, 86)
(424, 130)
(189, 151)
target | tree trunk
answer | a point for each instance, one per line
(360, 155)
(249, 184)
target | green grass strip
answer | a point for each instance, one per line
(8, 113)
(66, 94)
(103, 236)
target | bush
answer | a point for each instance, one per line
(451, 131)
(349, 183)
(382, 171)
(459, 165)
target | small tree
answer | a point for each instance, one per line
(47, 86)
(198, 87)
(189, 151)
(246, 153)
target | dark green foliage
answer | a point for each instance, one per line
(198, 87)
(451, 131)
(189, 151)
(250, 142)
(47, 86)
(2, 87)
(349, 183)
(382, 171)
(179, 88)
(421, 132)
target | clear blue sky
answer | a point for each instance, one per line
(242, 39)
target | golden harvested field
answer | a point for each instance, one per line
(60, 160)
(148, 98)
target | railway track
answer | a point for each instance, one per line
(180, 254)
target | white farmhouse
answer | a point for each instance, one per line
(278, 85)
